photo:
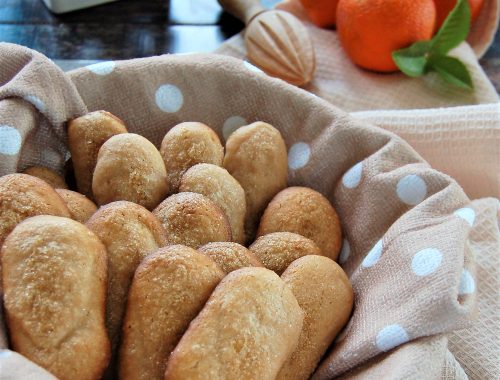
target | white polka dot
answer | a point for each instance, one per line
(426, 261)
(352, 177)
(391, 336)
(298, 155)
(467, 283)
(251, 67)
(345, 252)
(35, 100)
(5, 353)
(411, 189)
(466, 214)
(102, 68)
(232, 124)
(10, 140)
(169, 98)
(373, 256)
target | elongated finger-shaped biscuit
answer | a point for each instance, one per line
(129, 232)
(129, 168)
(22, 196)
(188, 144)
(49, 176)
(256, 156)
(217, 184)
(169, 289)
(325, 294)
(80, 207)
(192, 219)
(306, 212)
(230, 256)
(247, 330)
(278, 250)
(54, 277)
(86, 134)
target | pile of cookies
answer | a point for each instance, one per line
(144, 273)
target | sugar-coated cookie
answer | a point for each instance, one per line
(186, 145)
(256, 156)
(22, 196)
(49, 176)
(192, 219)
(278, 250)
(325, 294)
(230, 256)
(306, 212)
(129, 168)
(217, 184)
(169, 289)
(86, 134)
(247, 330)
(129, 232)
(54, 278)
(80, 207)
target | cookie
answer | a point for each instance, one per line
(129, 232)
(306, 212)
(169, 289)
(192, 219)
(22, 196)
(247, 330)
(80, 207)
(230, 256)
(256, 157)
(217, 184)
(186, 145)
(54, 278)
(49, 176)
(129, 168)
(325, 294)
(86, 134)
(278, 250)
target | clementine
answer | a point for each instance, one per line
(444, 7)
(370, 30)
(321, 12)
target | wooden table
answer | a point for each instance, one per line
(136, 28)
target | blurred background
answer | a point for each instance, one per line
(120, 29)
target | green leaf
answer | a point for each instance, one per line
(454, 29)
(451, 70)
(412, 60)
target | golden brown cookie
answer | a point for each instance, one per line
(22, 196)
(54, 277)
(169, 289)
(129, 232)
(247, 330)
(49, 176)
(325, 294)
(306, 212)
(230, 256)
(217, 184)
(80, 207)
(192, 219)
(256, 156)
(86, 134)
(129, 168)
(188, 144)
(278, 250)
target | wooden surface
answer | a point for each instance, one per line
(136, 28)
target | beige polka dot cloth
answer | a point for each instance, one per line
(415, 247)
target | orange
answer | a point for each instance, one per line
(321, 12)
(370, 30)
(443, 7)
